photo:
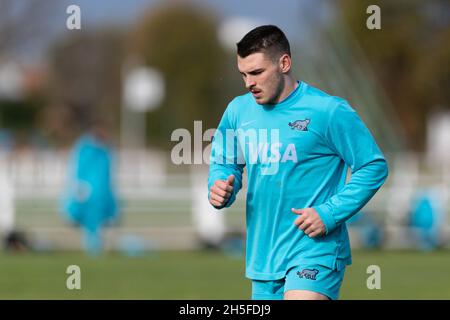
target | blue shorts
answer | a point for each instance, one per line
(314, 278)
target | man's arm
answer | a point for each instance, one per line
(352, 141)
(226, 165)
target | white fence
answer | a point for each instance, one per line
(157, 199)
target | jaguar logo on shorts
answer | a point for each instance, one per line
(308, 274)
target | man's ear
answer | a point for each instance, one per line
(285, 63)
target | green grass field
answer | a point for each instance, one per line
(205, 275)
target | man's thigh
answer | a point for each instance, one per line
(313, 282)
(304, 295)
(267, 290)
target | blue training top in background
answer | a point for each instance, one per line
(89, 198)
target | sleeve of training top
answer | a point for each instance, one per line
(226, 157)
(352, 141)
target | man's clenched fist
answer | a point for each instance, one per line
(221, 191)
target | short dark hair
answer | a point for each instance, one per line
(267, 39)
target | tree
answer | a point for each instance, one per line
(181, 42)
(410, 55)
(24, 26)
(85, 80)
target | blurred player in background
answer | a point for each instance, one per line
(11, 238)
(427, 218)
(90, 199)
(297, 143)
(210, 227)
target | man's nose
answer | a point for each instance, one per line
(249, 83)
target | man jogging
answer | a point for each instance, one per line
(296, 143)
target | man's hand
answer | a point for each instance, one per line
(310, 222)
(221, 191)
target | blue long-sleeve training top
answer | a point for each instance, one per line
(297, 153)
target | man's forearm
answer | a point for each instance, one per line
(362, 186)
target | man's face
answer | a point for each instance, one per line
(262, 76)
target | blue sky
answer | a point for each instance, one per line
(295, 17)
(282, 12)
